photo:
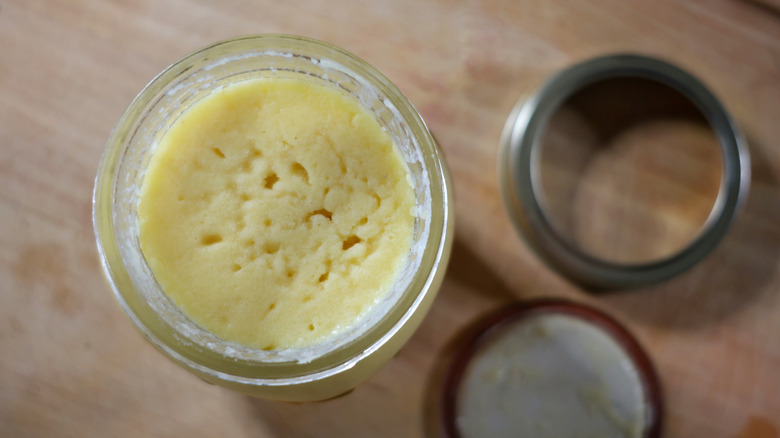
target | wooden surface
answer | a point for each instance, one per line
(71, 364)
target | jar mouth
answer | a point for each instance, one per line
(151, 114)
(521, 182)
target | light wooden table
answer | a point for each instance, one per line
(71, 364)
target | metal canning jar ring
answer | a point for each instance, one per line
(519, 164)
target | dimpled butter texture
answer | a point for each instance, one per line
(276, 213)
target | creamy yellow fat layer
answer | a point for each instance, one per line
(276, 213)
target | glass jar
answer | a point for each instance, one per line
(304, 374)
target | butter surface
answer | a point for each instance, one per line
(276, 213)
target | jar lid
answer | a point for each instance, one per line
(519, 162)
(550, 368)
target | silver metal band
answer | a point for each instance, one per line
(521, 186)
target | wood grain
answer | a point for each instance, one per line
(630, 170)
(71, 364)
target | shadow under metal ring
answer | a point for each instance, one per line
(519, 171)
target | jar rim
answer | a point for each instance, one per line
(436, 247)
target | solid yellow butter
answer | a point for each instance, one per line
(276, 213)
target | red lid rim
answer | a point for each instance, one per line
(486, 327)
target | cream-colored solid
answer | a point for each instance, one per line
(276, 213)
